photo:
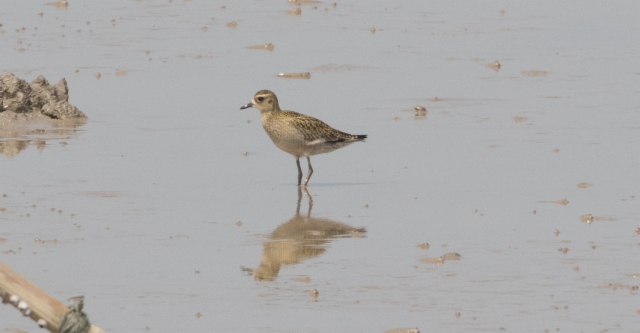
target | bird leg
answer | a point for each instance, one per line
(310, 201)
(300, 189)
(299, 171)
(306, 181)
(299, 200)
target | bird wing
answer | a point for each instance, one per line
(316, 131)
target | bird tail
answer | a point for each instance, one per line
(360, 137)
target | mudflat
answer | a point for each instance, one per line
(507, 202)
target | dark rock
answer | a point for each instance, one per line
(38, 97)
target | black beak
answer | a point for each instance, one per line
(246, 106)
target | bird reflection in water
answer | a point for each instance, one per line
(300, 238)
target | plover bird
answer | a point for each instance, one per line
(298, 134)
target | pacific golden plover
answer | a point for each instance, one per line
(298, 134)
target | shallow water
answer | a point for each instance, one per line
(137, 209)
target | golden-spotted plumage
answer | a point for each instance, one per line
(296, 133)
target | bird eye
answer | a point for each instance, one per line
(260, 99)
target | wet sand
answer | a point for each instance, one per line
(138, 208)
